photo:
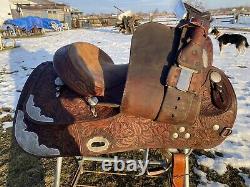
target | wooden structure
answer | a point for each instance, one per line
(93, 21)
(128, 24)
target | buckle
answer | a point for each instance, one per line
(191, 20)
(185, 79)
(156, 171)
(226, 132)
(92, 101)
(196, 22)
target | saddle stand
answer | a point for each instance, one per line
(168, 96)
(179, 163)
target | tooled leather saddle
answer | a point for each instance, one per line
(168, 96)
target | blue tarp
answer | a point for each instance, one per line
(47, 23)
(30, 22)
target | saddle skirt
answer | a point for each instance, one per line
(168, 96)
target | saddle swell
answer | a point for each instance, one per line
(89, 71)
(135, 108)
(72, 64)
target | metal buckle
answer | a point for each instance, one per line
(190, 20)
(202, 22)
(163, 167)
(196, 22)
(226, 132)
(92, 101)
(185, 79)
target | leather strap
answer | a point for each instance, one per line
(194, 22)
(181, 103)
(180, 108)
(179, 166)
(190, 22)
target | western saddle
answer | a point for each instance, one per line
(168, 96)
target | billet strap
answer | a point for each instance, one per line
(179, 167)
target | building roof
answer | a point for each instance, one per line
(39, 4)
(31, 1)
(44, 6)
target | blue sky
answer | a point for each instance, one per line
(106, 6)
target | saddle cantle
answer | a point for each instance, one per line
(168, 96)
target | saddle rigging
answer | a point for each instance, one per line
(168, 96)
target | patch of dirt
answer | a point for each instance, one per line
(6, 72)
(7, 118)
(243, 67)
(19, 168)
(24, 68)
(6, 109)
(203, 152)
(194, 178)
(231, 177)
(218, 154)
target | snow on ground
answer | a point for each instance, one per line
(17, 64)
(7, 125)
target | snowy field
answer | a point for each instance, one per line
(17, 64)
